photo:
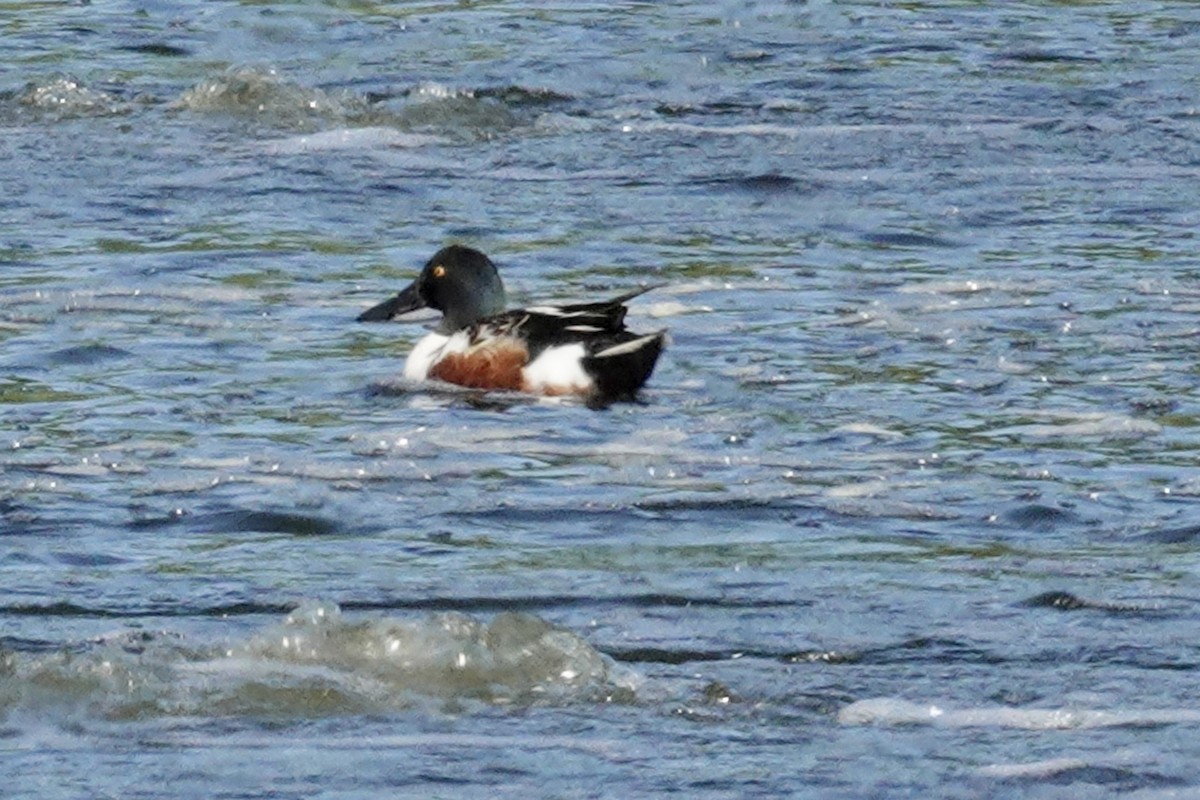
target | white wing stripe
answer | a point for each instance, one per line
(625, 348)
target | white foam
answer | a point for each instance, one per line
(671, 308)
(894, 711)
(1036, 769)
(1071, 425)
(372, 138)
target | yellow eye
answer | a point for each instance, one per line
(439, 271)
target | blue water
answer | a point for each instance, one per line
(911, 506)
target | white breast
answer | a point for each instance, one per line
(429, 350)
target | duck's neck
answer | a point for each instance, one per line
(482, 303)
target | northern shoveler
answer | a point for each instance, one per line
(579, 349)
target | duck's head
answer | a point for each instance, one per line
(459, 281)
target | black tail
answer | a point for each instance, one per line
(621, 369)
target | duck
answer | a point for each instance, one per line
(582, 350)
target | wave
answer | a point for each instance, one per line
(315, 662)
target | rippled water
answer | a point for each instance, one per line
(909, 508)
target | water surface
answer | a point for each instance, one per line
(908, 508)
